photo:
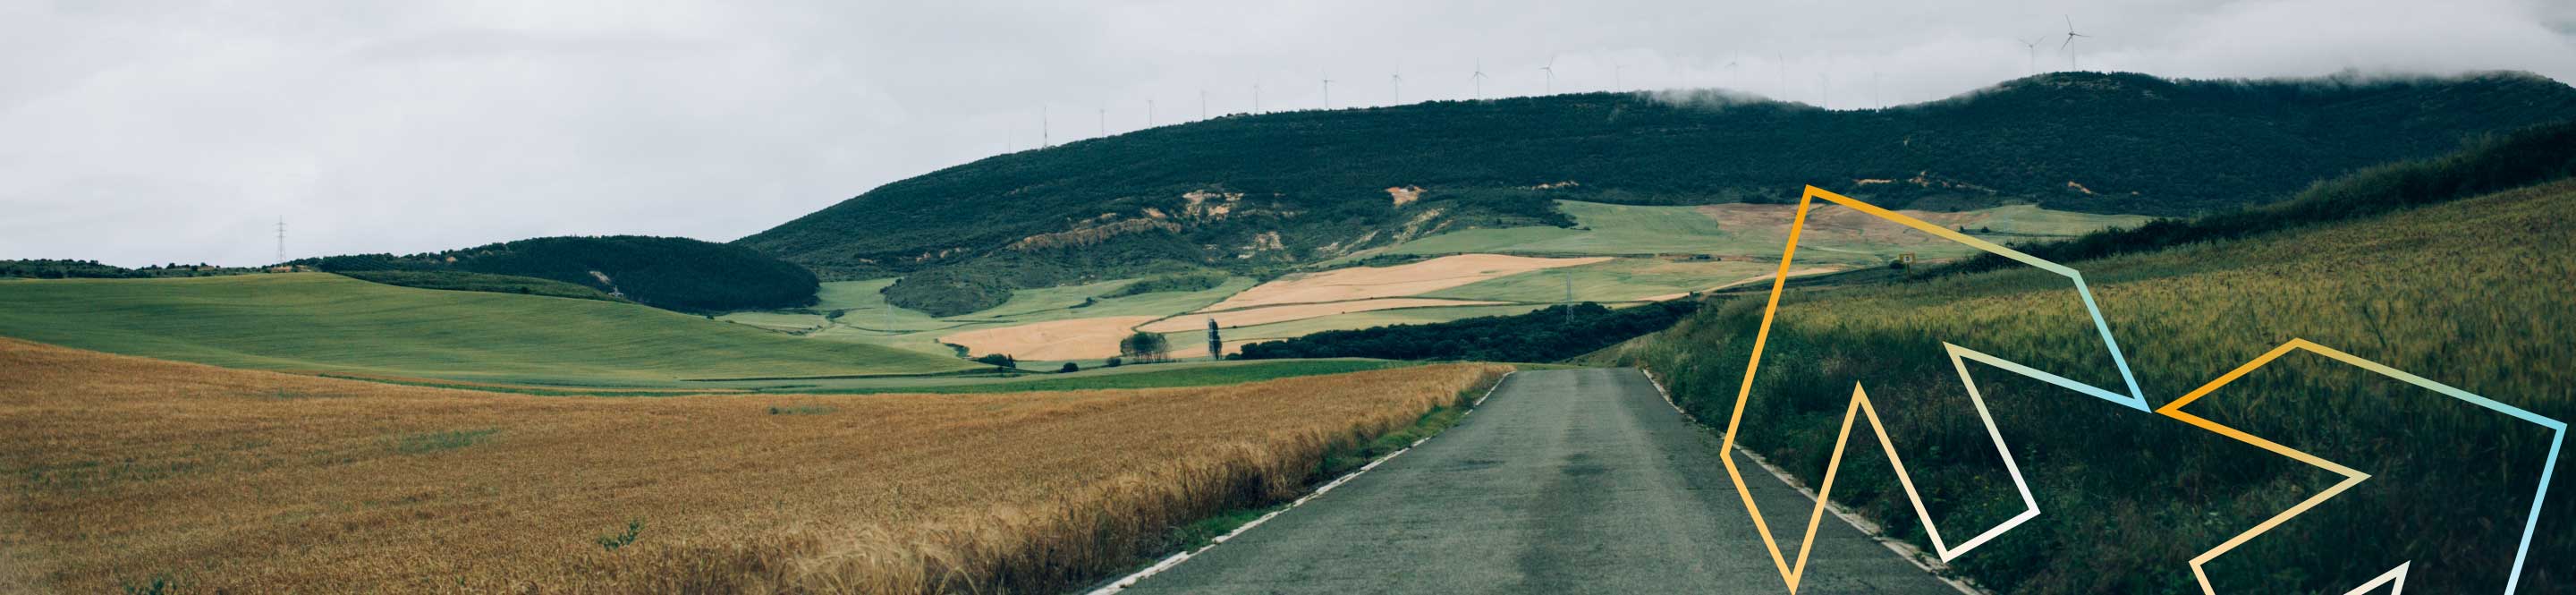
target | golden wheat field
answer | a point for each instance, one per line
(125, 472)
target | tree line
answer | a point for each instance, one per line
(1551, 334)
(671, 273)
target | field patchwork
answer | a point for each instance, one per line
(1620, 254)
(854, 312)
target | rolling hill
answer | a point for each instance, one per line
(327, 323)
(1259, 193)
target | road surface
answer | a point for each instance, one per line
(1565, 481)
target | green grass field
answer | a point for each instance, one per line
(328, 323)
(1629, 230)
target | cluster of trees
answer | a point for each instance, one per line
(1551, 334)
(2484, 165)
(671, 273)
(1144, 348)
(1319, 179)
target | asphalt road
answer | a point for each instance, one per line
(1565, 481)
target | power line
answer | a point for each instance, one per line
(1569, 297)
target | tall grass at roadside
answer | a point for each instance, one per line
(983, 493)
(2475, 294)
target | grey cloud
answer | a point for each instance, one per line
(178, 131)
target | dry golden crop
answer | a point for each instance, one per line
(124, 472)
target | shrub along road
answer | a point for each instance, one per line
(1565, 481)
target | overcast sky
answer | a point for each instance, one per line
(148, 132)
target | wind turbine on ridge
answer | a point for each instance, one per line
(1398, 79)
(1825, 88)
(1328, 91)
(1780, 63)
(1479, 78)
(2033, 46)
(2070, 38)
(1550, 69)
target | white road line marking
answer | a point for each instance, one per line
(1903, 550)
(1175, 559)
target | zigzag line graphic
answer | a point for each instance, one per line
(1792, 573)
(1860, 406)
(2351, 476)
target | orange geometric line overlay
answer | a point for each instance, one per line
(1793, 572)
(1861, 407)
(2352, 477)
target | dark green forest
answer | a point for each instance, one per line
(1297, 187)
(1546, 335)
(670, 273)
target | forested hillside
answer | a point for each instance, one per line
(1251, 193)
(670, 273)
